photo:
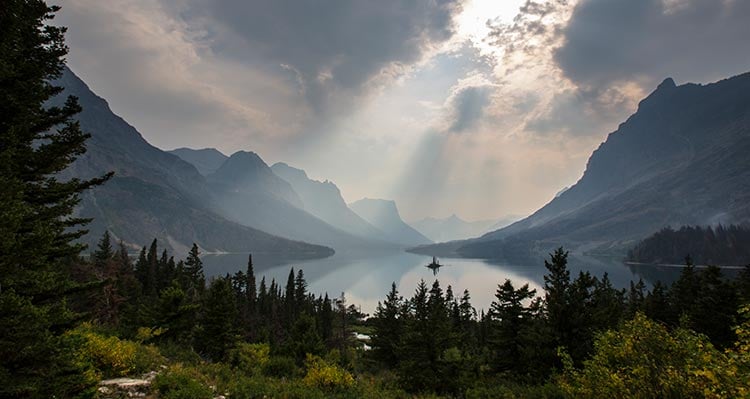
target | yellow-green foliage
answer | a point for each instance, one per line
(644, 360)
(250, 357)
(109, 355)
(321, 374)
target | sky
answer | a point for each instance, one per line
(482, 108)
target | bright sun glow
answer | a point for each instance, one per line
(472, 23)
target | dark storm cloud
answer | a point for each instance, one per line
(647, 40)
(332, 47)
(468, 106)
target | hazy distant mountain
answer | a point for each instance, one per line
(247, 172)
(154, 194)
(206, 160)
(249, 192)
(452, 228)
(324, 200)
(384, 215)
(681, 159)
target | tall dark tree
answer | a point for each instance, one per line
(103, 252)
(511, 316)
(218, 332)
(38, 231)
(251, 290)
(388, 323)
(194, 272)
(556, 286)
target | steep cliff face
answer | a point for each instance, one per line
(324, 200)
(383, 214)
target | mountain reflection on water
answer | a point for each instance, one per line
(365, 278)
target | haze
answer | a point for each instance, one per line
(481, 108)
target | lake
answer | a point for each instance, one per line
(365, 279)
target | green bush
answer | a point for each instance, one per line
(326, 376)
(280, 366)
(181, 382)
(249, 358)
(108, 355)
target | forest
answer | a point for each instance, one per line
(722, 245)
(70, 320)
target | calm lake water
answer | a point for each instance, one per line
(365, 279)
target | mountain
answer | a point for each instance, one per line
(384, 215)
(681, 159)
(247, 191)
(324, 200)
(153, 194)
(452, 228)
(206, 160)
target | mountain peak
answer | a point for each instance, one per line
(666, 84)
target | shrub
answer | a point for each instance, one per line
(280, 366)
(181, 382)
(644, 360)
(110, 356)
(321, 374)
(249, 357)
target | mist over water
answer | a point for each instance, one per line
(365, 279)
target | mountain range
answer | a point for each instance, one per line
(154, 194)
(224, 204)
(384, 215)
(454, 228)
(206, 160)
(681, 159)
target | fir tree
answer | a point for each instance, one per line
(388, 324)
(218, 332)
(103, 252)
(38, 232)
(194, 272)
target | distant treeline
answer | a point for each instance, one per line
(704, 245)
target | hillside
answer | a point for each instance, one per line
(154, 194)
(383, 214)
(324, 200)
(248, 192)
(453, 228)
(681, 159)
(206, 160)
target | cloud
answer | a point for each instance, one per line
(468, 105)
(336, 49)
(610, 41)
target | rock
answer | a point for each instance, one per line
(120, 388)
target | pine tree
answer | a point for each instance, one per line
(103, 252)
(38, 231)
(194, 272)
(388, 328)
(218, 332)
(510, 317)
(251, 292)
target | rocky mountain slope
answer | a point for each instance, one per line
(154, 194)
(384, 215)
(681, 159)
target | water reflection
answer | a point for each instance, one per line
(366, 278)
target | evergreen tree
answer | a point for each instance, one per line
(251, 293)
(103, 252)
(218, 332)
(194, 272)
(388, 328)
(510, 318)
(289, 298)
(38, 231)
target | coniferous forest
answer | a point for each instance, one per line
(69, 319)
(721, 245)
